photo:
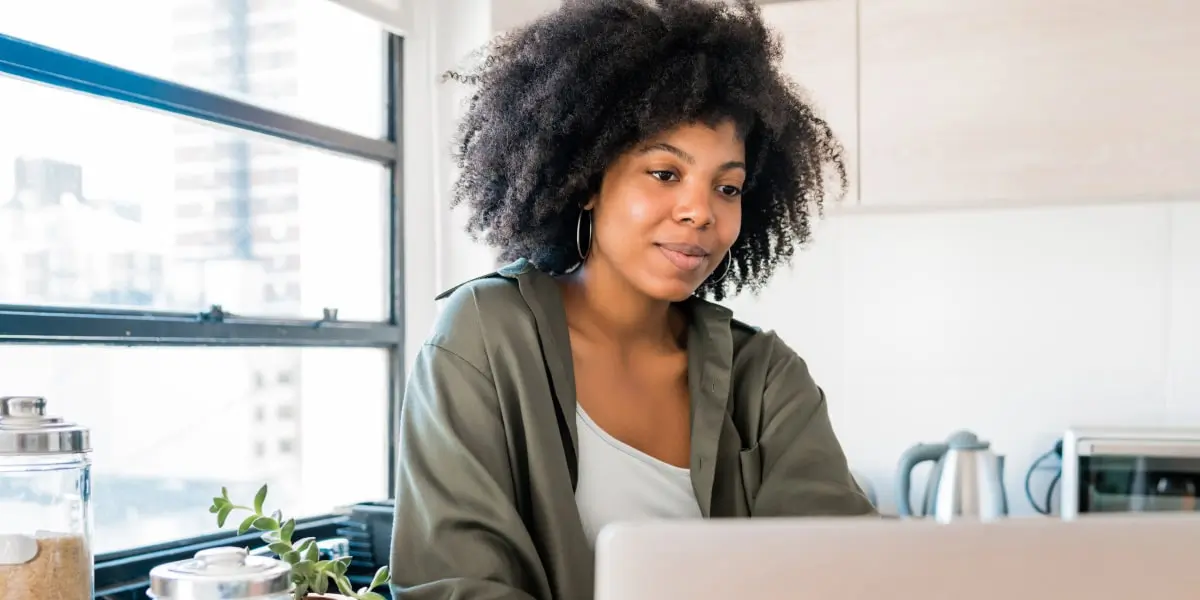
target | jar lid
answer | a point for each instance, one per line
(224, 573)
(25, 429)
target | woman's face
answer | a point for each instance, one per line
(670, 208)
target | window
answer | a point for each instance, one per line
(199, 209)
(135, 226)
(170, 426)
(310, 58)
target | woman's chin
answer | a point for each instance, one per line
(670, 289)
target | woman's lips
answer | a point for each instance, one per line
(684, 258)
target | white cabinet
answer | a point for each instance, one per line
(820, 55)
(1020, 101)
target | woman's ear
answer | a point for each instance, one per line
(591, 203)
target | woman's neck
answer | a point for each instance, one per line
(604, 306)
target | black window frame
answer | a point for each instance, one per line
(125, 573)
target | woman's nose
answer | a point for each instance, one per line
(693, 207)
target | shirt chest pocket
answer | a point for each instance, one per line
(750, 461)
(746, 419)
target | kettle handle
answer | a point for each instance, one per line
(1003, 493)
(909, 461)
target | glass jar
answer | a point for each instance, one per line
(224, 573)
(45, 504)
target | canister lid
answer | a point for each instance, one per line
(25, 429)
(221, 574)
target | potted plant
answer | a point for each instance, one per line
(313, 577)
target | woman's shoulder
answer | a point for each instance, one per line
(749, 341)
(487, 307)
(762, 346)
(768, 374)
(759, 354)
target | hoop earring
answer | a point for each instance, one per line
(728, 265)
(579, 236)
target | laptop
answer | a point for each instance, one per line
(1121, 557)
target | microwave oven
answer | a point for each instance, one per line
(1112, 470)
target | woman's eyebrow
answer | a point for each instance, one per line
(688, 158)
(684, 156)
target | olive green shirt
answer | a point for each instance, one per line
(485, 502)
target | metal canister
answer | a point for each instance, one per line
(224, 573)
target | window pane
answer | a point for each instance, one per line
(109, 204)
(170, 426)
(310, 58)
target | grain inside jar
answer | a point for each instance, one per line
(61, 570)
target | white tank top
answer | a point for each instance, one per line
(618, 482)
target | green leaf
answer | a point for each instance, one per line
(313, 553)
(371, 596)
(381, 577)
(343, 585)
(290, 557)
(266, 524)
(247, 523)
(259, 498)
(270, 537)
(340, 565)
(225, 493)
(278, 516)
(280, 548)
(320, 585)
(223, 514)
(302, 545)
(285, 534)
(305, 566)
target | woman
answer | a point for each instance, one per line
(628, 157)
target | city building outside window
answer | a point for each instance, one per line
(183, 195)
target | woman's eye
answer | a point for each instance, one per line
(664, 175)
(730, 190)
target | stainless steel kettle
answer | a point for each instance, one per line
(967, 480)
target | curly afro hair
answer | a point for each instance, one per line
(559, 99)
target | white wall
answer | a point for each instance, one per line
(1013, 323)
(439, 34)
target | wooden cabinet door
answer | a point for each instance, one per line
(1028, 101)
(820, 55)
